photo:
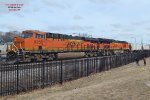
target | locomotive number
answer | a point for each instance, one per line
(38, 42)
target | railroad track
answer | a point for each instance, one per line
(59, 59)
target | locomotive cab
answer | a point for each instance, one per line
(34, 40)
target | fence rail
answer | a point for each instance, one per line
(26, 77)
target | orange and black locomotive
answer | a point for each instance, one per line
(45, 45)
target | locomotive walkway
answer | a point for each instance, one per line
(130, 82)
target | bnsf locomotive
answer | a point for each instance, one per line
(34, 45)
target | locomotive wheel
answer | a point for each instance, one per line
(55, 56)
(86, 54)
(95, 54)
(50, 57)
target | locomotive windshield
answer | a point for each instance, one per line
(27, 35)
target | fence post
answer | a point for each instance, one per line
(116, 58)
(75, 70)
(61, 73)
(43, 74)
(95, 65)
(1, 80)
(99, 64)
(128, 58)
(106, 65)
(87, 67)
(17, 77)
(110, 62)
(132, 57)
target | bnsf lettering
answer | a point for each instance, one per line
(74, 43)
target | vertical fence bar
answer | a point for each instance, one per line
(87, 67)
(102, 64)
(110, 62)
(75, 69)
(43, 74)
(17, 78)
(107, 67)
(1, 80)
(95, 62)
(99, 64)
(82, 68)
(105, 63)
(51, 65)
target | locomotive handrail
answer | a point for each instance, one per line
(15, 46)
(21, 47)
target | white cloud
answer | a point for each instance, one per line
(71, 28)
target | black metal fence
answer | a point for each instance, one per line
(25, 77)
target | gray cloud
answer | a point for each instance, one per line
(140, 23)
(78, 17)
(128, 29)
(123, 28)
(116, 26)
(103, 1)
(48, 5)
(72, 28)
(56, 4)
(11, 27)
(147, 29)
(12, 1)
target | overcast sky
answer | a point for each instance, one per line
(117, 19)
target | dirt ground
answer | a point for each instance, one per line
(130, 82)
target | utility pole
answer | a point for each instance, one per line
(135, 42)
(142, 48)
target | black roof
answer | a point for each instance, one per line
(103, 40)
(64, 36)
(122, 41)
(90, 39)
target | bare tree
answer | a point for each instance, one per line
(8, 36)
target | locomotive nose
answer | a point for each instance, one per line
(18, 42)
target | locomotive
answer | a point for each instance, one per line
(34, 45)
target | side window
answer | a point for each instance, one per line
(49, 35)
(39, 36)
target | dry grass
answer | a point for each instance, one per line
(130, 82)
